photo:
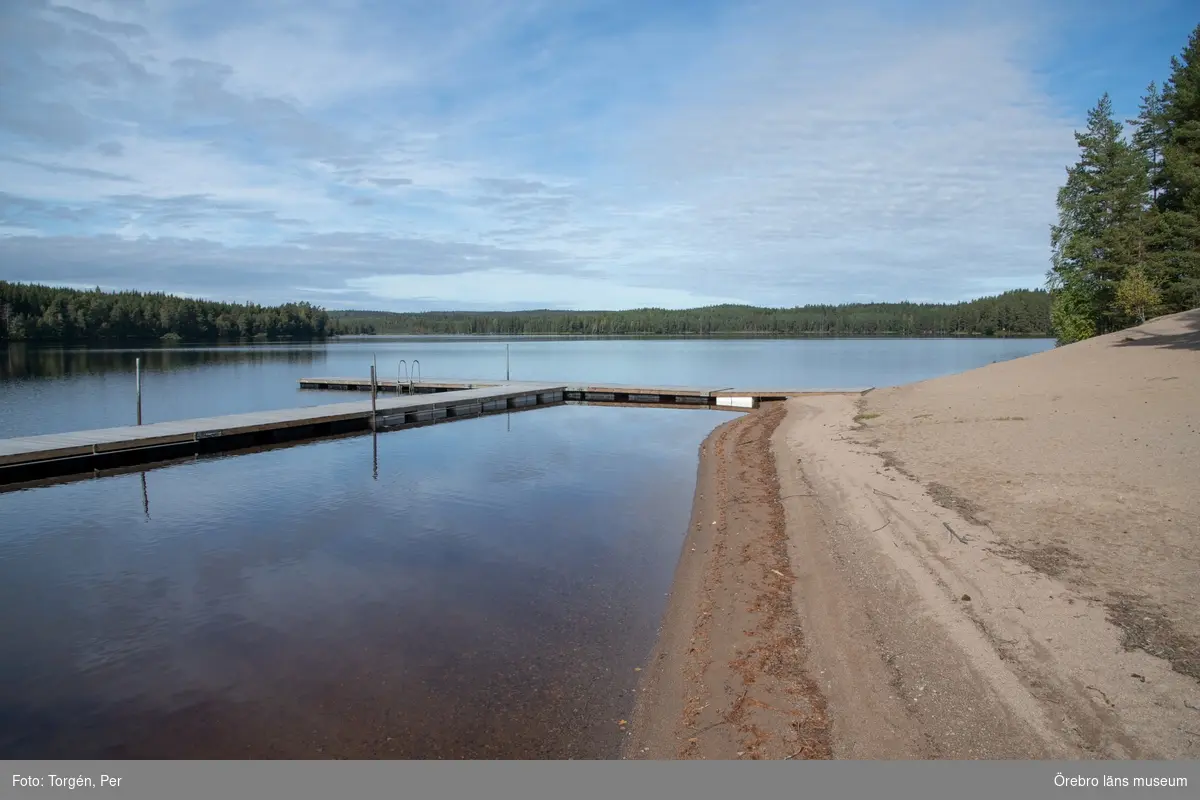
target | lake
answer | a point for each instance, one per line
(485, 588)
(56, 390)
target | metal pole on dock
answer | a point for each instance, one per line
(138, 376)
(506, 373)
(374, 389)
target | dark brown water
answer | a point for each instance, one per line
(479, 589)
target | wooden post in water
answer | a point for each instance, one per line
(138, 377)
(374, 389)
(506, 373)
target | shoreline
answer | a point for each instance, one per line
(947, 569)
(720, 682)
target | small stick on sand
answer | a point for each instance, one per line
(952, 533)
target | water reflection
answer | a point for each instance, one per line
(487, 592)
(23, 361)
(57, 390)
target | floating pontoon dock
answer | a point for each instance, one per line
(725, 396)
(393, 406)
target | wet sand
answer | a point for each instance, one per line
(996, 564)
(727, 678)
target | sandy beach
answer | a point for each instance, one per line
(1002, 563)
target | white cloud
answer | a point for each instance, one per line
(309, 56)
(592, 154)
(492, 288)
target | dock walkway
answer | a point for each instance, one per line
(25, 457)
(421, 402)
(725, 396)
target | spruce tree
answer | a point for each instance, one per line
(1179, 203)
(1100, 234)
(1074, 297)
(1150, 136)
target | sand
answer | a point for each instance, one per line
(727, 678)
(998, 564)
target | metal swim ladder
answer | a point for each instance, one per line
(402, 369)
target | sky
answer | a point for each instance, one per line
(586, 154)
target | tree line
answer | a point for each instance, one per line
(1015, 313)
(31, 312)
(36, 313)
(1127, 242)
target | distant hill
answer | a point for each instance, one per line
(1016, 313)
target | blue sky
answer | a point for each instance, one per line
(553, 153)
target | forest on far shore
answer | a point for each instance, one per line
(35, 313)
(1016, 313)
(31, 312)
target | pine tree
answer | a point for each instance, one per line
(1150, 137)
(1100, 233)
(1179, 202)
(1075, 300)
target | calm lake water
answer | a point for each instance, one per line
(479, 589)
(483, 588)
(60, 390)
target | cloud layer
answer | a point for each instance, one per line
(483, 153)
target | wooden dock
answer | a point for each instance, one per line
(31, 457)
(721, 396)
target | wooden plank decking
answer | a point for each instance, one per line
(623, 389)
(430, 401)
(84, 450)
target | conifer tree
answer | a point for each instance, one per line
(1150, 137)
(1128, 235)
(1099, 235)
(1179, 203)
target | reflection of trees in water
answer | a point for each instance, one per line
(18, 360)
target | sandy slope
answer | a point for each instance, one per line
(1005, 562)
